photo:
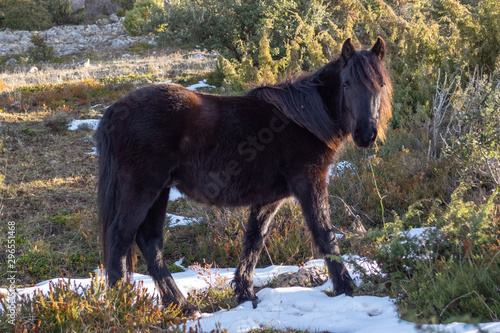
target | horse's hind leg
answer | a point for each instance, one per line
(256, 232)
(136, 199)
(150, 241)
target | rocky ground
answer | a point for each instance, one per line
(106, 34)
(93, 51)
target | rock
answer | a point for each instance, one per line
(75, 35)
(77, 4)
(305, 277)
(126, 56)
(82, 64)
(33, 69)
(11, 62)
(16, 105)
(119, 43)
(114, 18)
(198, 56)
(102, 22)
(70, 39)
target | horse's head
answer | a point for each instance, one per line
(366, 93)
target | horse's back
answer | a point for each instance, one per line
(220, 150)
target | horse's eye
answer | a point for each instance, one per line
(346, 85)
(382, 84)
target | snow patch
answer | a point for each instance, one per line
(294, 308)
(200, 84)
(176, 220)
(77, 123)
(175, 194)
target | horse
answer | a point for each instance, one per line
(255, 150)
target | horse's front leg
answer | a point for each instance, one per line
(256, 232)
(313, 197)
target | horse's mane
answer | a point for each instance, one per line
(301, 102)
(293, 98)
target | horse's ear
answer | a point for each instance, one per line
(347, 50)
(379, 48)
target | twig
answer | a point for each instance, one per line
(378, 192)
(357, 221)
(265, 247)
(456, 299)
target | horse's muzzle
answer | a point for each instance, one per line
(365, 138)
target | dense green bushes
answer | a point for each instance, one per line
(423, 36)
(38, 14)
(137, 20)
(43, 14)
(26, 15)
(452, 270)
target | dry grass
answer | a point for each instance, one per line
(49, 191)
(163, 67)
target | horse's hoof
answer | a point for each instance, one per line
(255, 301)
(344, 289)
(191, 312)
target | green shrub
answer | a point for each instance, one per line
(96, 308)
(452, 290)
(120, 12)
(137, 20)
(60, 11)
(26, 15)
(58, 123)
(474, 136)
(239, 26)
(453, 269)
(40, 51)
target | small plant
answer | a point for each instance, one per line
(58, 123)
(40, 51)
(219, 295)
(94, 308)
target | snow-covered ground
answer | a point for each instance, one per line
(294, 308)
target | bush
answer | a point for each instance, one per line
(40, 50)
(239, 26)
(453, 269)
(58, 123)
(137, 20)
(96, 308)
(26, 15)
(452, 290)
(474, 136)
(60, 11)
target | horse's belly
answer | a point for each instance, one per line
(222, 189)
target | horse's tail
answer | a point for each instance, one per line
(108, 190)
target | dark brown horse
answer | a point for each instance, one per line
(256, 150)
